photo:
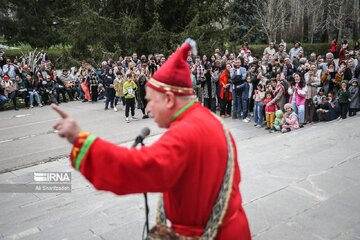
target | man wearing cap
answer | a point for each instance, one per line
(199, 183)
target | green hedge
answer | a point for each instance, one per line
(318, 48)
(61, 57)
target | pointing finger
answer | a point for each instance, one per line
(62, 113)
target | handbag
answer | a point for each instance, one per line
(161, 231)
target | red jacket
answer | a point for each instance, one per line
(186, 164)
(271, 108)
(224, 79)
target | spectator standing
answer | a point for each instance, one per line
(225, 92)
(344, 98)
(312, 80)
(129, 93)
(354, 97)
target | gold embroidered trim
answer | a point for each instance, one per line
(168, 87)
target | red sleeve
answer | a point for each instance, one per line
(150, 169)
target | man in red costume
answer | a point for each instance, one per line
(187, 164)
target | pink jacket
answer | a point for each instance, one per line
(291, 121)
(300, 95)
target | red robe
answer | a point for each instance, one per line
(187, 164)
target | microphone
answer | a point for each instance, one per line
(143, 134)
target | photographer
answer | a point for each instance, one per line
(10, 69)
(152, 66)
(198, 71)
(210, 79)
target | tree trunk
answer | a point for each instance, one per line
(305, 28)
(340, 20)
(356, 20)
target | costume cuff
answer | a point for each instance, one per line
(81, 146)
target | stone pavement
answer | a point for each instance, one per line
(299, 185)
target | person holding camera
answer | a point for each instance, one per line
(209, 79)
(10, 69)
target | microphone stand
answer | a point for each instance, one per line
(137, 141)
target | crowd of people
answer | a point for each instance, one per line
(281, 90)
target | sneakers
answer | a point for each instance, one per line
(40, 105)
(115, 109)
(127, 120)
(258, 126)
(245, 120)
(31, 106)
(134, 118)
(145, 116)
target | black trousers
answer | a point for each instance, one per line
(225, 107)
(129, 104)
(94, 93)
(344, 108)
(210, 103)
(352, 112)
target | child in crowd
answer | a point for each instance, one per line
(259, 96)
(344, 99)
(129, 89)
(269, 111)
(118, 85)
(278, 121)
(291, 121)
(101, 92)
(354, 96)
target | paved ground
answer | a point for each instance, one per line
(299, 185)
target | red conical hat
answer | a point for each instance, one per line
(174, 74)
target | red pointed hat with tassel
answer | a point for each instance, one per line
(174, 74)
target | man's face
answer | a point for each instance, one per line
(271, 45)
(157, 107)
(329, 59)
(134, 56)
(281, 48)
(237, 63)
(162, 60)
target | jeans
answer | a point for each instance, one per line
(300, 111)
(258, 113)
(31, 97)
(245, 104)
(236, 105)
(3, 100)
